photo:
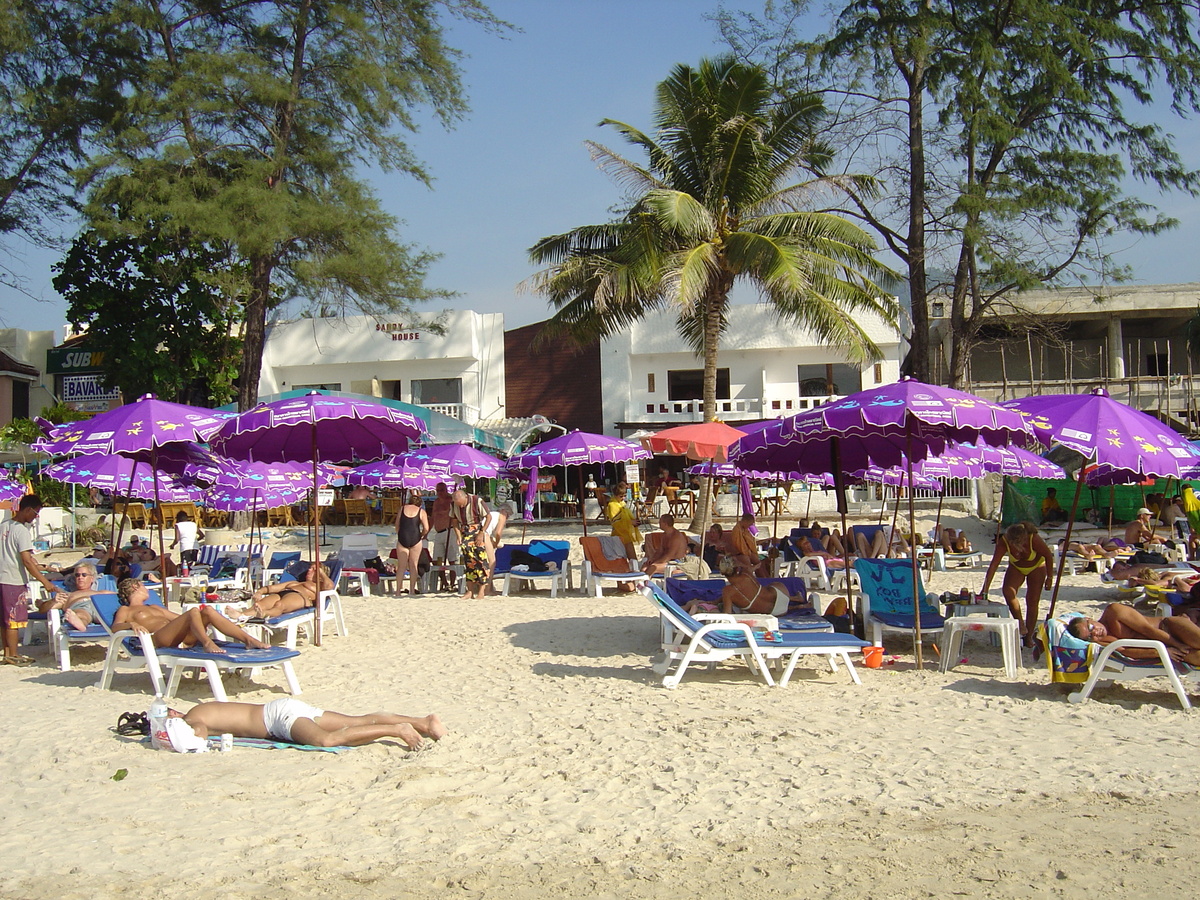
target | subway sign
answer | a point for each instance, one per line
(61, 361)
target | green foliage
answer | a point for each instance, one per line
(60, 413)
(20, 431)
(60, 82)
(248, 128)
(1023, 111)
(161, 307)
(715, 203)
(55, 493)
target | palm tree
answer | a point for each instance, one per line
(714, 203)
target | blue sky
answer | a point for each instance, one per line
(516, 169)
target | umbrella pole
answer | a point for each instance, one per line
(119, 532)
(582, 512)
(1062, 557)
(1112, 502)
(839, 489)
(316, 522)
(937, 528)
(778, 503)
(157, 505)
(883, 502)
(913, 554)
(808, 506)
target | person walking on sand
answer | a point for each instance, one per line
(1030, 563)
(17, 568)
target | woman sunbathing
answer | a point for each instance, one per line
(289, 596)
(745, 595)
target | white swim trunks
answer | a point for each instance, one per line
(279, 716)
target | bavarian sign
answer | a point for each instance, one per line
(86, 389)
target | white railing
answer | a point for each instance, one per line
(460, 411)
(681, 411)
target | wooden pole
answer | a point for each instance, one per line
(1062, 557)
(916, 580)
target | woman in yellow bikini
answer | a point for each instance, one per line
(1030, 562)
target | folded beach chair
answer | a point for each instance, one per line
(886, 599)
(355, 551)
(713, 638)
(599, 569)
(550, 552)
(136, 652)
(1074, 661)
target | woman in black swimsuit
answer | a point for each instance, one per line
(411, 527)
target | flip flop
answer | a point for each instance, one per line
(19, 660)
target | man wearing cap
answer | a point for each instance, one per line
(1139, 532)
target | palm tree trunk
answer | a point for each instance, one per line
(712, 340)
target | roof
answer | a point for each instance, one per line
(10, 366)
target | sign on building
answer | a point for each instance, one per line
(86, 389)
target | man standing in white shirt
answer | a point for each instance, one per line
(17, 566)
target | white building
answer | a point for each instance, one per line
(765, 369)
(452, 362)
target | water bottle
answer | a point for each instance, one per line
(186, 570)
(158, 707)
(226, 742)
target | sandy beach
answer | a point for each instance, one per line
(569, 771)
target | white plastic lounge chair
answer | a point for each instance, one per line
(886, 599)
(1074, 661)
(714, 637)
(551, 552)
(291, 624)
(128, 652)
(599, 570)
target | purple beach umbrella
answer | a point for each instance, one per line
(396, 472)
(885, 426)
(316, 428)
(575, 448)
(115, 474)
(11, 490)
(454, 461)
(1119, 445)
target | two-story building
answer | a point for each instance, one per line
(765, 369)
(451, 362)
(1131, 340)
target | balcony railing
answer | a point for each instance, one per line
(1176, 398)
(460, 411)
(682, 411)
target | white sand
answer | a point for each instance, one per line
(570, 772)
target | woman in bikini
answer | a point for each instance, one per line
(1030, 563)
(744, 594)
(412, 525)
(289, 596)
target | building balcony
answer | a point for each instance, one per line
(680, 412)
(460, 411)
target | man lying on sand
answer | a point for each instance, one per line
(1179, 633)
(170, 629)
(296, 722)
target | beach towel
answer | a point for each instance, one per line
(214, 743)
(611, 546)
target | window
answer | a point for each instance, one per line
(336, 386)
(688, 384)
(1156, 364)
(879, 373)
(428, 391)
(833, 378)
(20, 399)
(650, 383)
